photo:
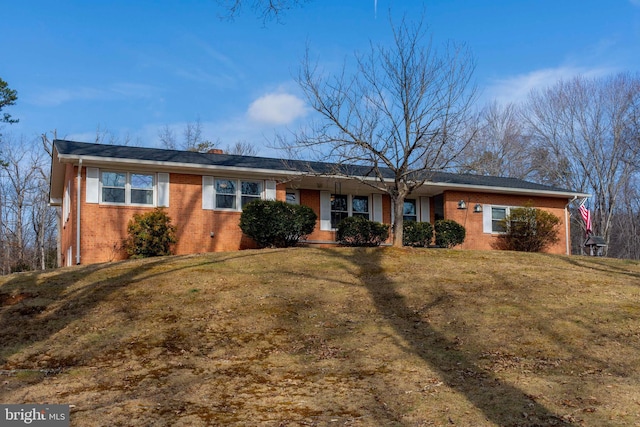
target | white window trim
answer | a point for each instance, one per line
(325, 208)
(128, 188)
(296, 193)
(66, 203)
(268, 192)
(487, 218)
(417, 204)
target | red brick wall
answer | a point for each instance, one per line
(476, 238)
(104, 227)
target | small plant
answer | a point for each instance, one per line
(449, 233)
(529, 230)
(150, 234)
(273, 223)
(359, 231)
(417, 234)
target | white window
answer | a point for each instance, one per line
(250, 191)
(127, 188)
(339, 209)
(66, 203)
(342, 206)
(410, 210)
(293, 197)
(493, 217)
(229, 191)
(234, 194)
(360, 206)
(225, 197)
(498, 214)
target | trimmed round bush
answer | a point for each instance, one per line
(417, 234)
(449, 233)
(273, 223)
(150, 234)
(359, 231)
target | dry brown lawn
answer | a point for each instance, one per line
(329, 337)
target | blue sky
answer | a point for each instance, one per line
(132, 67)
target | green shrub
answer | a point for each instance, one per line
(449, 233)
(150, 234)
(529, 230)
(359, 231)
(273, 223)
(418, 234)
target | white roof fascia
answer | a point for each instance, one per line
(174, 165)
(511, 190)
(65, 158)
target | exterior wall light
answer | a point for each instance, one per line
(477, 208)
(462, 205)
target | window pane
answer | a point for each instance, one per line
(225, 186)
(253, 188)
(292, 198)
(339, 202)
(360, 205)
(497, 215)
(336, 217)
(248, 199)
(141, 181)
(142, 197)
(113, 195)
(114, 179)
(409, 207)
(224, 201)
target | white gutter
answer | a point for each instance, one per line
(78, 201)
(289, 173)
(174, 165)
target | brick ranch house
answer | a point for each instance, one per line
(99, 187)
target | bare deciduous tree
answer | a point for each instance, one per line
(242, 148)
(28, 223)
(404, 108)
(590, 127)
(501, 145)
(267, 10)
(192, 138)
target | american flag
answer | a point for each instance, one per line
(586, 217)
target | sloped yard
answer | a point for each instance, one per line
(302, 337)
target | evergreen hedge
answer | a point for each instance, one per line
(150, 234)
(449, 233)
(360, 231)
(273, 223)
(417, 234)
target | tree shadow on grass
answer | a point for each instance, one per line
(502, 404)
(605, 265)
(36, 306)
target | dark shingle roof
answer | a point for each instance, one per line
(82, 149)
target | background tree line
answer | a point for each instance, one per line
(581, 134)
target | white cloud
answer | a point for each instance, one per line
(277, 109)
(56, 97)
(517, 88)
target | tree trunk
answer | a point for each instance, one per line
(397, 206)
